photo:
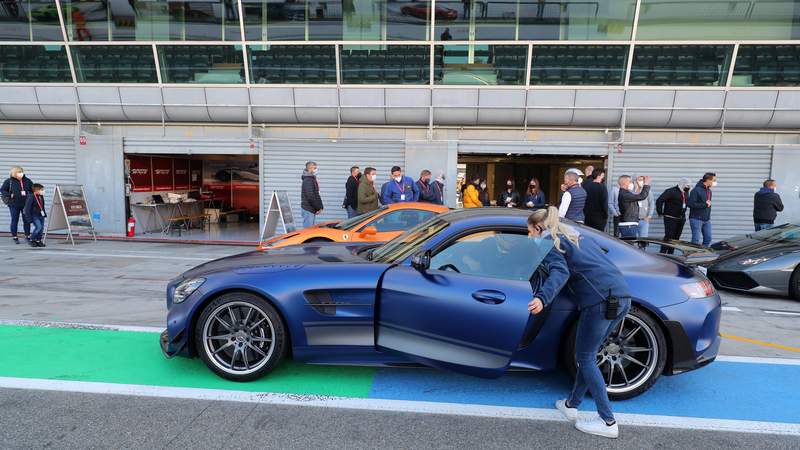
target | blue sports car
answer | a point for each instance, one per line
(450, 293)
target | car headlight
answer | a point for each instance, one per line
(186, 288)
(754, 261)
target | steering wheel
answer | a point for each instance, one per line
(449, 267)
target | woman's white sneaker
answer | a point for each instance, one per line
(598, 427)
(570, 414)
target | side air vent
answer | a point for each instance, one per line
(321, 301)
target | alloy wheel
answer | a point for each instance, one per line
(238, 338)
(629, 356)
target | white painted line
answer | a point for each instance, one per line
(781, 313)
(731, 308)
(117, 255)
(505, 412)
(79, 325)
(759, 360)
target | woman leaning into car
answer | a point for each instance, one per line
(603, 299)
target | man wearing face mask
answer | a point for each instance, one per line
(367, 195)
(700, 209)
(310, 200)
(596, 208)
(400, 188)
(14, 193)
(509, 197)
(629, 206)
(483, 194)
(671, 204)
(424, 187)
(574, 197)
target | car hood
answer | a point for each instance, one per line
(285, 258)
(742, 246)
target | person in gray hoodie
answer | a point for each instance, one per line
(647, 209)
(613, 205)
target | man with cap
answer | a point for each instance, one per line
(573, 199)
(671, 205)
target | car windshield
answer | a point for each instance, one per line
(409, 242)
(788, 232)
(350, 223)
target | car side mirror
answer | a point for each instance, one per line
(369, 231)
(421, 261)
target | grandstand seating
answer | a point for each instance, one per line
(32, 64)
(282, 64)
(577, 65)
(680, 65)
(767, 65)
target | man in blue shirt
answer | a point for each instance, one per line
(400, 188)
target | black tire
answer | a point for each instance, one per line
(244, 339)
(636, 316)
(794, 284)
(316, 239)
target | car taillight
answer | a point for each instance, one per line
(698, 289)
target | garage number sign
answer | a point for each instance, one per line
(68, 211)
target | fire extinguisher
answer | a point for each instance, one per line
(131, 226)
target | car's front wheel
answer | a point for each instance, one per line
(794, 284)
(240, 336)
(632, 357)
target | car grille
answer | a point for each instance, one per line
(733, 280)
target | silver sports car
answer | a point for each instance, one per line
(767, 262)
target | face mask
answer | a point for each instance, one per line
(483, 185)
(640, 183)
(537, 240)
(713, 184)
(398, 179)
(21, 175)
(315, 171)
(580, 180)
(533, 186)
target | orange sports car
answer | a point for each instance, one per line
(381, 225)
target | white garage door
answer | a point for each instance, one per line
(284, 162)
(740, 173)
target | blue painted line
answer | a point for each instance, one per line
(721, 390)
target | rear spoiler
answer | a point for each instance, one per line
(684, 252)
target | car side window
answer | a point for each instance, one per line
(506, 255)
(400, 220)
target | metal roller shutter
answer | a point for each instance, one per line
(284, 162)
(46, 160)
(206, 146)
(740, 173)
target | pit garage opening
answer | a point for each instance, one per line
(496, 170)
(193, 197)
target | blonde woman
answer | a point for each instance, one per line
(603, 298)
(14, 193)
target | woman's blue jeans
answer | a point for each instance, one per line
(593, 328)
(16, 212)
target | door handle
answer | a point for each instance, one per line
(489, 297)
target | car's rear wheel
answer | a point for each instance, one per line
(794, 283)
(632, 357)
(240, 336)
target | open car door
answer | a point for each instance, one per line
(463, 308)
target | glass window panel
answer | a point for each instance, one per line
(480, 64)
(211, 64)
(713, 19)
(29, 20)
(577, 65)
(534, 20)
(114, 64)
(151, 20)
(680, 65)
(287, 64)
(34, 64)
(351, 20)
(391, 64)
(767, 65)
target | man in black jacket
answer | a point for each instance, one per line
(427, 193)
(671, 205)
(310, 200)
(629, 206)
(766, 206)
(351, 192)
(596, 208)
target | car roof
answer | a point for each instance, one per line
(473, 213)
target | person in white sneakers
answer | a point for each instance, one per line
(603, 298)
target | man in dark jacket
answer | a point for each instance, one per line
(629, 206)
(425, 188)
(351, 192)
(438, 189)
(766, 206)
(671, 205)
(596, 208)
(700, 209)
(573, 199)
(15, 192)
(310, 200)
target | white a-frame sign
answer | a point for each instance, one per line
(69, 211)
(278, 212)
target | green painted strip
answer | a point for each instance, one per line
(135, 358)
